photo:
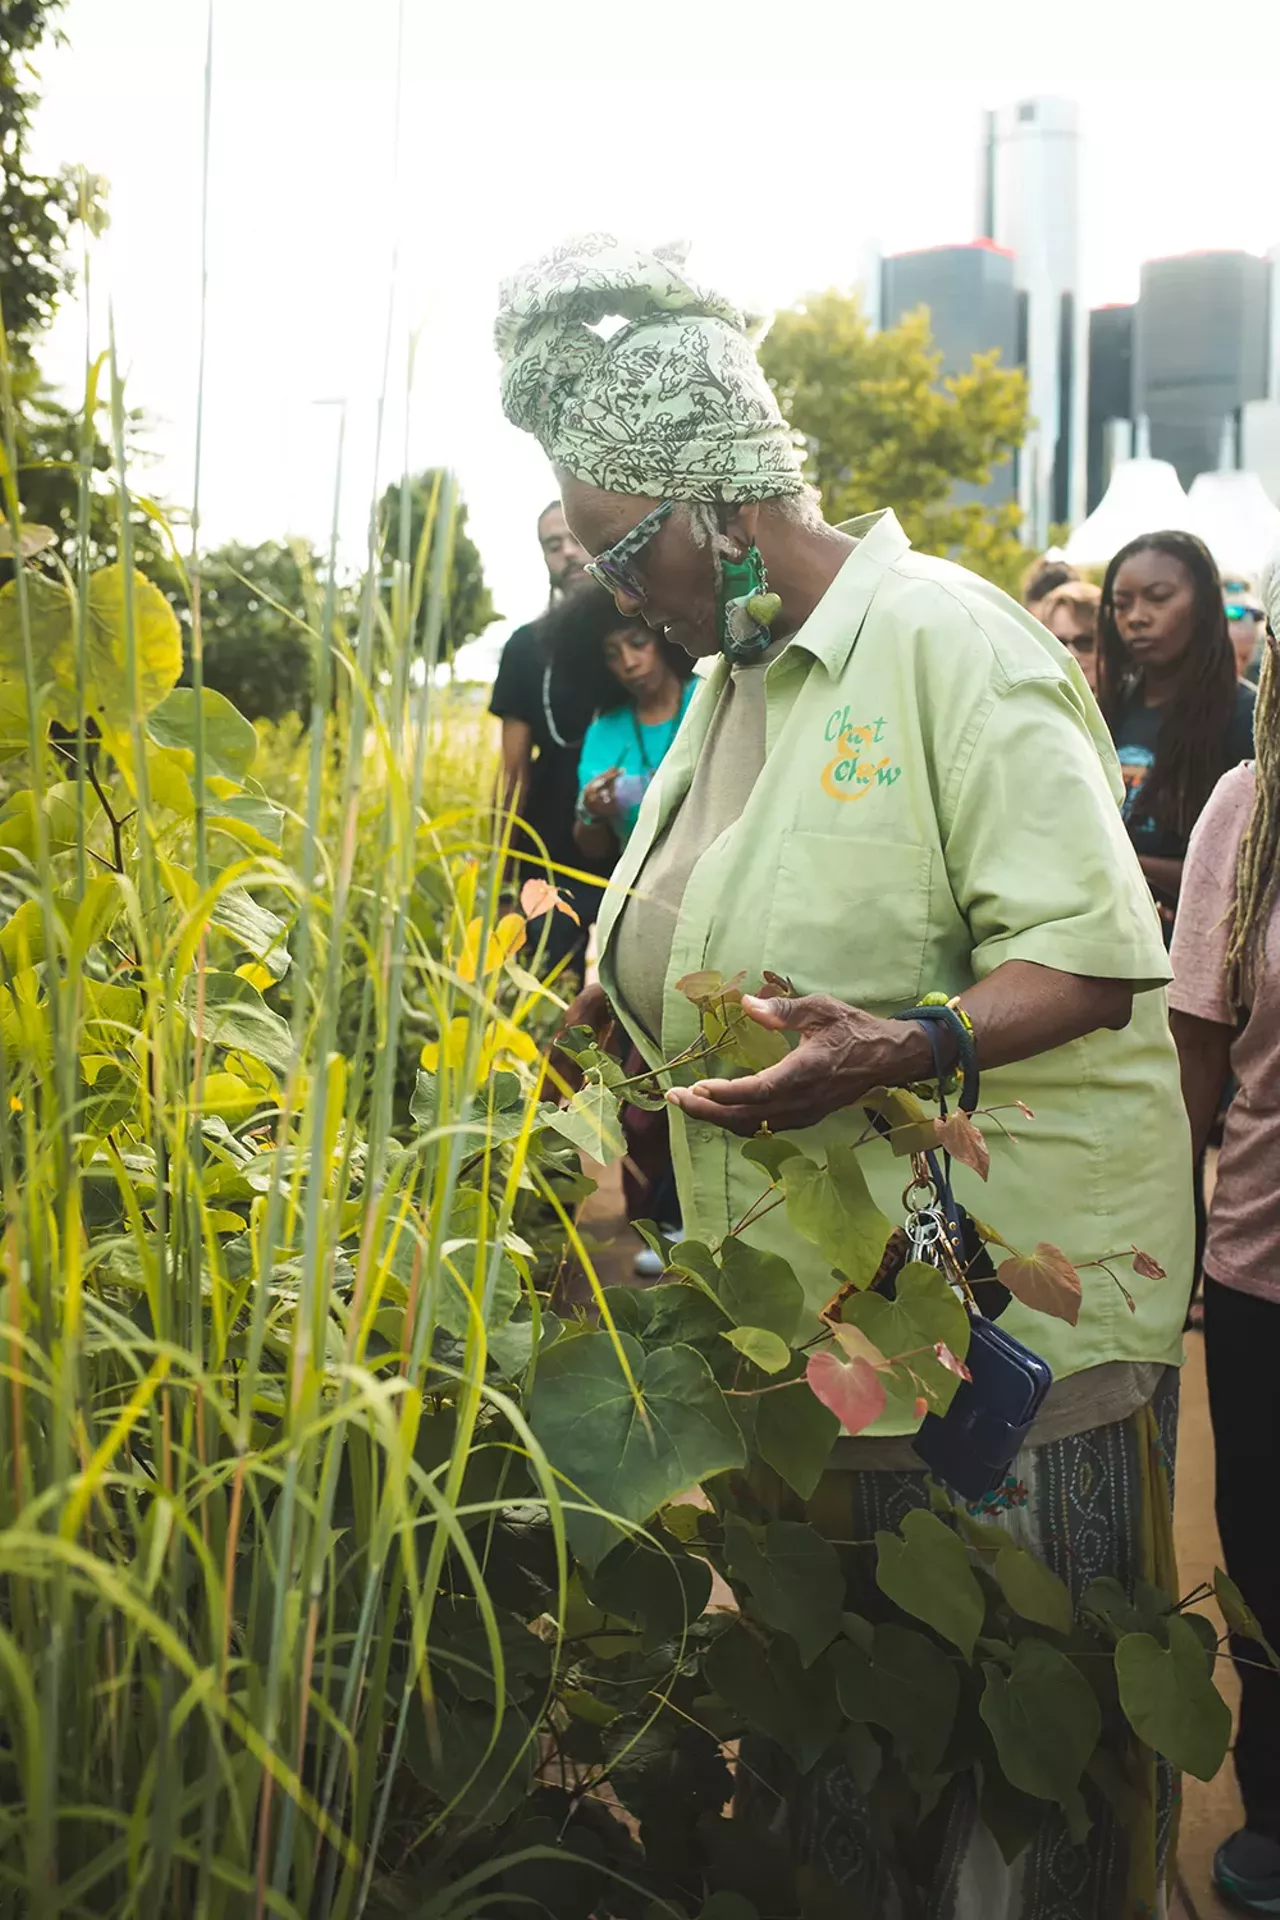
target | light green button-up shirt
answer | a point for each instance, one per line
(940, 795)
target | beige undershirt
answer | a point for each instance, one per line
(732, 757)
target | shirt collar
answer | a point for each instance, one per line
(831, 629)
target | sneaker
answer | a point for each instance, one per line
(1246, 1869)
(647, 1265)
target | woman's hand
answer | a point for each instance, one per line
(843, 1053)
(598, 797)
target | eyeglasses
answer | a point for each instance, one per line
(612, 570)
(1237, 610)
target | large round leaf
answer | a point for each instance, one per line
(113, 601)
(1044, 1718)
(629, 1450)
(232, 1013)
(1170, 1700)
(230, 742)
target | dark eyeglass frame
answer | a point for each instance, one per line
(611, 569)
(1240, 610)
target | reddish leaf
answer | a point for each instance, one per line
(945, 1358)
(775, 984)
(854, 1393)
(1045, 1280)
(1145, 1267)
(539, 896)
(963, 1141)
(854, 1342)
(921, 1407)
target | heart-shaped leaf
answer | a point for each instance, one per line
(958, 1136)
(832, 1206)
(852, 1390)
(1170, 1701)
(854, 1345)
(794, 1435)
(1044, 1718)
(1044, 1280)
(925, 1570)
(1033, 1590)
(769, 1151)
(794, 1578)
(1239, 1615)
(759, 1289)
(629, 1448)
(923, 1314)
(764, 1349)
(539, 896)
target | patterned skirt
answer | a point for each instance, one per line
(1099, 1502)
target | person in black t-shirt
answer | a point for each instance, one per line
(1168, 688)
(544, 715)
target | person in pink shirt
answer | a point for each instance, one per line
(1225, 1012)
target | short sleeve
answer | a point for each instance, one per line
(1036, 851)
(1200, 933)
(517, 687)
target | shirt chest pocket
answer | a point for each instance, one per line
(851, 917)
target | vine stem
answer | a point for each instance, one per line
(117, 826)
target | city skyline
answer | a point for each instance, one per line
(305, 208)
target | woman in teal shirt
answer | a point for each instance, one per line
(640, 685)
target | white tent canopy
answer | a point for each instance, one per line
(1236, 521)
(1144, 496)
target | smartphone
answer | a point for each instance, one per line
(629, 789)
(971, 1445)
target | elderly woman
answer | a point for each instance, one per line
(891, 782)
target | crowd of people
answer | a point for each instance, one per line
(1068, 821)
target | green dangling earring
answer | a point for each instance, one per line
(745, 607)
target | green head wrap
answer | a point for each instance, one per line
(673, 404)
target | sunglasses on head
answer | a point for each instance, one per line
(612, 569)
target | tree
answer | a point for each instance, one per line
(469, 607)
(37, 211)
(253, 605)
(883, 428)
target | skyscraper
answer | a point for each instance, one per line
(1201, 350)
(973, 307)
(1028, 201)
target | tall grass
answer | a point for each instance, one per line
(258, 1444)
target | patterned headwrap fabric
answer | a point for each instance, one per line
(673, 404)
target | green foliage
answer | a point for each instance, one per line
(467, 602)
(37, 211)
(260, 614)
(882, 428)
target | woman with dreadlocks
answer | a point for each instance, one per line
(1225, 1003)
(1169, 692)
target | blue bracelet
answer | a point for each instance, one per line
(932, 1017)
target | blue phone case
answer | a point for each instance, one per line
(971, 1445)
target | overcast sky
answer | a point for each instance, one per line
(786, 141)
